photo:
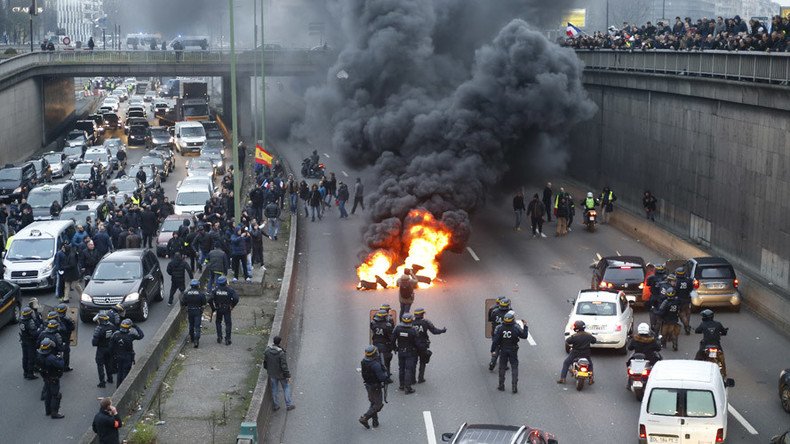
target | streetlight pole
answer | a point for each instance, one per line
(254, 65)
(234, 118)
(263, 81)
(31, 31)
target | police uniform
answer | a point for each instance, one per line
(28, 336)
(683, 287)
(122, 346)
(101, 340)
(222, 301)
(404, 340)
(495, 317)
(656, 283)
(50, 366)
(381, 331)
(669, 312)
(506, 337)
(375, 377)
(422, 326)
(194, 300)
(66, 327)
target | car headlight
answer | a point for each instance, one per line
(18, 190)
(132, 297)
(86, 298)
(48, 268)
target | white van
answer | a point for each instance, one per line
(189, 137)
(685, 402)
(191, 199)
(29, 261)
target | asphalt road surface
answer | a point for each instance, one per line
(23, 419)
(539, 275)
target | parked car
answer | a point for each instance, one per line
(111, 121)
(90, 127)
(16, 181)
(123, 187)
(165, 153)
(130, 277)
(151, 175)
(29, 261)
(10, 305)
(715, 283)
(212, 152)
(608, 316)
(82, 172)
(77, 137)
(58, 163)
(496, 434)
(620, 273)
(136, 135)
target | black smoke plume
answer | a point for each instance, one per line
(442, 119)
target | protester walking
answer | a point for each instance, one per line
(276, 365)
(359, 193)
(547, 201)
(536, 210)
(518, 208)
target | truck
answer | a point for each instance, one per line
(192, 103)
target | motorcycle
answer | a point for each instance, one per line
(590, 220)
(581, 372)
(714, 354)
(312, 171)
(638, 372)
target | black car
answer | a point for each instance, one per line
(620, 273)
(90, 127)
(166, 153)
(10, 307)
(498, 434)
(136, 135)
(111, 121)
(213, 132)
(131, 278)
(99, 119)
(784, 389)
(16, 182)
(158, 136)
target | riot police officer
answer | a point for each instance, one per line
(52, 331)
(404, 340)
(50, 365)
(194, 300)
(101, 340)
(386, 308)
(117, 314)
(669, 312)
(423, 326)
(66, 327)
(381, 332)
(223, 299)
(495, 316)
(375, 378)
(683, 287)
(28, 334)
(505, 339)
(122, 346)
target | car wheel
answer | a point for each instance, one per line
(85, 317)
(161, 296)
(17, 313)
(784, 396)
(623, 350)
(736, 308)
(143, 314)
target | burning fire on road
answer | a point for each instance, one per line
(423, 240)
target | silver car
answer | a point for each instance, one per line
(59, 163)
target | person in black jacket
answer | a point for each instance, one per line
(423, 326)
(505, 339)
(178, 269)
(148, 220)
(28, 334)
(375, 378)
(66, 328)
(101, 340)
(107, 422)
(580, 348)
(518, 209)
(547, 201)
(194, 300)
(381, 333)
(711, 331)
(404, 340)
(645, 343)
(122, 346)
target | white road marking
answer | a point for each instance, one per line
(472, 252)
(426, 416)
(531, 340)
(344, 173)
(327, 155)
(742, 420)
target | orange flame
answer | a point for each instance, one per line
(426, 238)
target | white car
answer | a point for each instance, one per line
(112, 103)
(607, 315)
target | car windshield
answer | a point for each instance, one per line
(83, 168)
(11, 174)
(117, 271)
(718, 272)
(160, 134)
(53, 159)
(596, 308)
(43, 199)
(124, 185)
(73, 150)
(200, 164)
(624, 274)
(31, 249)
(136, 114)
(213, 134)
(137, 130)
(210, 152)
(151, 160)
(97, 156)
(196, 131)
(110, 117)
(192, 198)
(170, 225)
(78, 216)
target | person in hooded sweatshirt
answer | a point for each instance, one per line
(276, 365)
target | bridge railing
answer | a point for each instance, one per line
(740, 66)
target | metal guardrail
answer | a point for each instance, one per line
(771, 68)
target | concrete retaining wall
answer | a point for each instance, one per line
(715, 155)
(21, 120)
(59, 105)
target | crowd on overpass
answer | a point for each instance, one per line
(727, 34)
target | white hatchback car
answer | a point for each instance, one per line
(607, 315)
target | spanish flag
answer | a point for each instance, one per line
(262, 156)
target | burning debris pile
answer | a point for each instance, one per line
(423, 240)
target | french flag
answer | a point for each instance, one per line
(572, 31)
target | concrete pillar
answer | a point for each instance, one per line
(244, 103)
(226, 99)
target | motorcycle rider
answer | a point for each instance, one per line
(683, 287)
(505, 340)
(711, 331)
(645, 343)
(580, 348)
(404, 339)
(496, 316)
(314, 160)
(656, 283)
(588, 204)
(375, 379)
(423, 326)
(669, 311)
(381, 332)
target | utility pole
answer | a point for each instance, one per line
(263, 81)
(234, 118)
(254, 65)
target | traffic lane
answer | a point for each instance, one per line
(21, 399)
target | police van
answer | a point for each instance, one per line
(29, 261)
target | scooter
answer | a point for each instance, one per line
(311, 171)
(638, 372)
(580, 370)
(591, 220)
(714, 354)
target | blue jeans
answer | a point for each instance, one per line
(315, 211)
(519, 217)
(293, 200)
(274, 227)
(342, 206)
(276, 383)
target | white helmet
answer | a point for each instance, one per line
(589, 194)
(643, 329)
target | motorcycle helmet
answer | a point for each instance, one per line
(661, 268)
(371, 351)
(380, 315)
(509, 317)
(385, 307)
(61, 308)
(194, 283)
(419, 313)
(670, 293)
(52, 315)
(504, 303)
(126, 324)
(103, 316)
(707, 314)
(53, 325)
(680, 271)
(46, 346)
(119, 309)
(643, 329)
(579, 326)
(589, 194)
(27, 312)
(222, 281)
(407, 318)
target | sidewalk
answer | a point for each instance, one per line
(207, 391)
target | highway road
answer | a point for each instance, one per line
(539, 275)
(23, 420)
